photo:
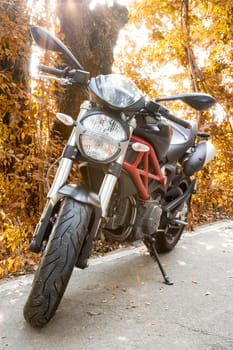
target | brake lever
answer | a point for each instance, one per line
(164, 112)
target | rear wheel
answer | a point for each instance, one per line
(170, 231)
(57, 262)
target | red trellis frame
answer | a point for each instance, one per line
(141, 176)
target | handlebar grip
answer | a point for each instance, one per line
(58, 72)
(74, 76)
(179, 121)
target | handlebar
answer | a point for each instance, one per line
(177, 120)
(164, 112)
(74, 76)
(58, 72)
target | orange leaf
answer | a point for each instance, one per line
(111, 287)
(138, 279)
(149, 323)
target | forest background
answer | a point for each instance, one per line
(164, 46)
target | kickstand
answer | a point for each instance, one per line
(151, 246)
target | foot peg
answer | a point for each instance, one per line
(150, 244)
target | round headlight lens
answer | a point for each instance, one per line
(96, 148)
(105, 125)
(100, 137)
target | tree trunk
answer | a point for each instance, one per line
(91, 35)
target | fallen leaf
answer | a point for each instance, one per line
(149, 323)
(138, 279)
(131, 306)
(111, 287)
(91, 313)
(207, 293)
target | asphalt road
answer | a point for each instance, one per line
(120, 301)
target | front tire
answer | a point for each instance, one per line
(57, 262)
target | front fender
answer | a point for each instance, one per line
(80, 193)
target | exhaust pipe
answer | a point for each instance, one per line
(179, 200)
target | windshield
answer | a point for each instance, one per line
(116, 90)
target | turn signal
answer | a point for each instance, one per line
(140, 147)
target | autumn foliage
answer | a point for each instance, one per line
(25, 151)
(167, 47)
(184, 46)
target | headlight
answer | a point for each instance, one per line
(99, 137)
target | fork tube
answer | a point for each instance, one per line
(65, 165)
(109, 181)
(62, 173)
(108, 185)
(106, 191)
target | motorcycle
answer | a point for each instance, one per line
(137, 162)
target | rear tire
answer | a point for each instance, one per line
(168, 237)
(57, 262)
(169, 233)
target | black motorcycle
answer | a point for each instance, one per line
(136, 161)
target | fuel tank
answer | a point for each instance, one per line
(158, 133)
(182, 140)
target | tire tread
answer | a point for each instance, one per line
(57, 263)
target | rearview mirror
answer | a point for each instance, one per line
(48, 41)
(196, 100)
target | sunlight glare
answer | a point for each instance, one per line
(108, 2)
(218, 113)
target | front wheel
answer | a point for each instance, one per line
(57, 262)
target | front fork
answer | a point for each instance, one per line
(59, 189)
(53, 195)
